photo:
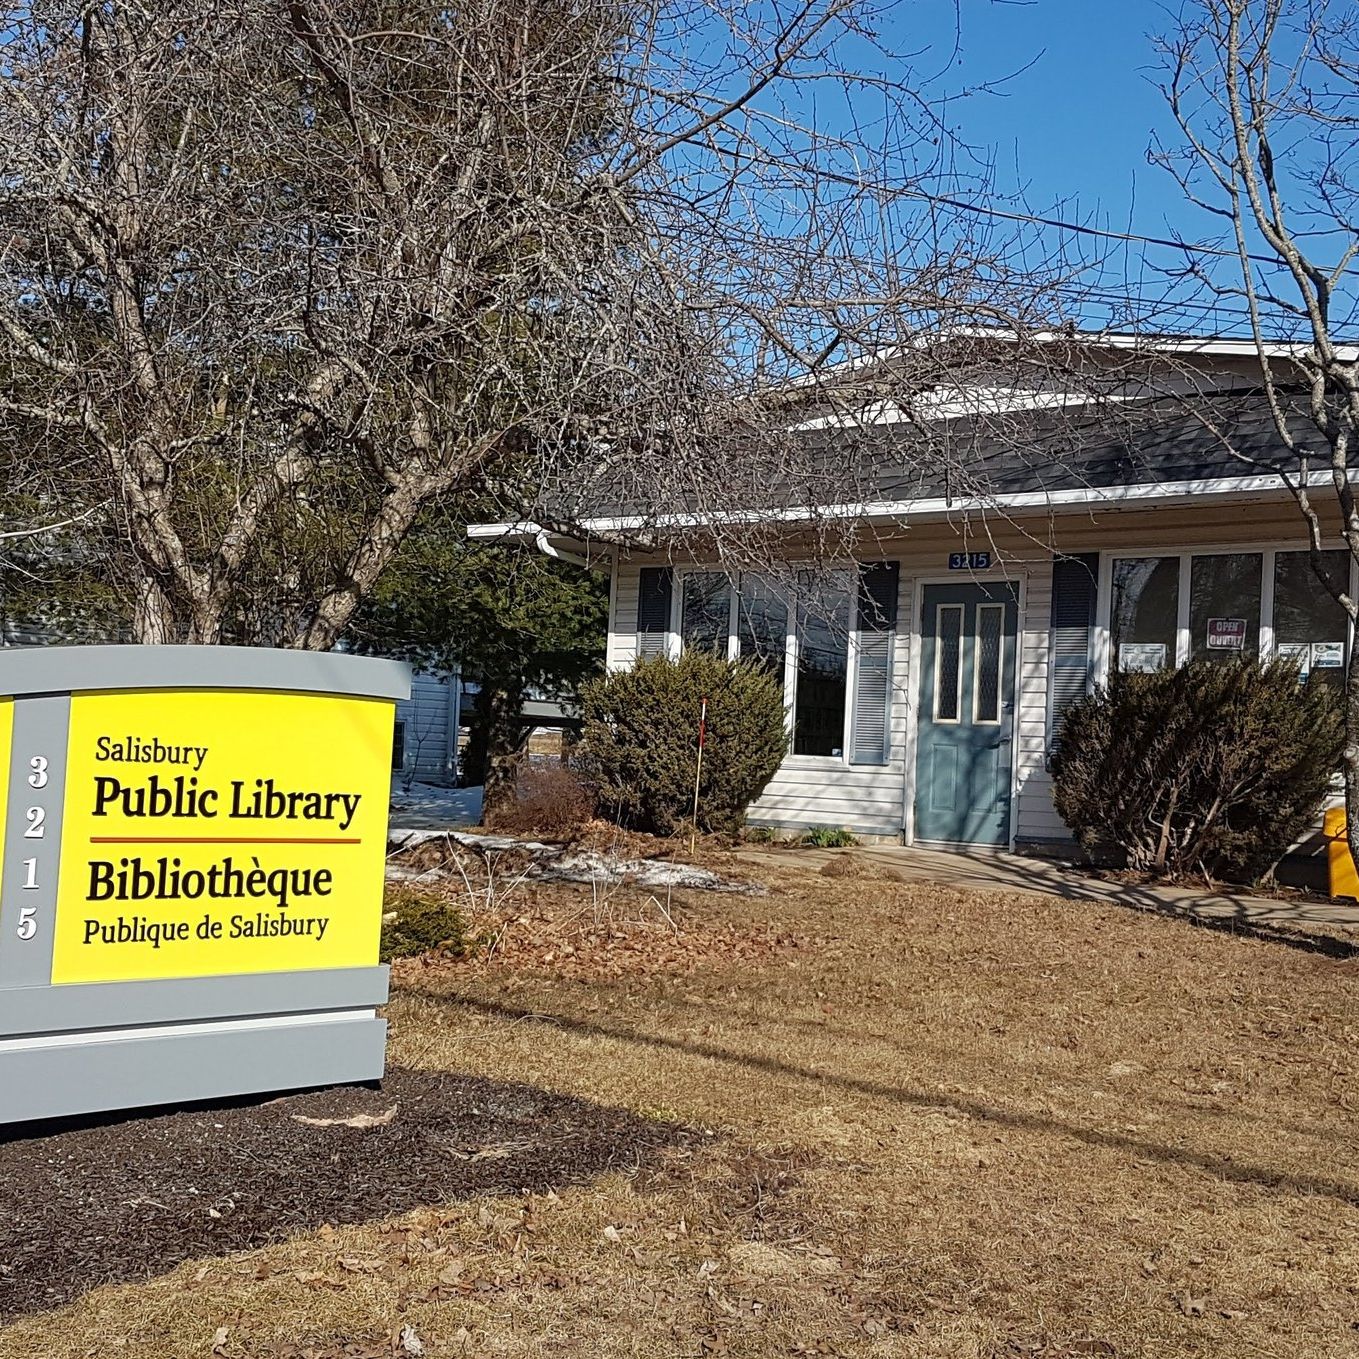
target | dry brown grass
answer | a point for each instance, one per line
(957, 1126)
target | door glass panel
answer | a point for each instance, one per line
(1224, 606)
(822, 662)
(990, 629)
(1143, 619)
(948, 631)
(762, 625)
(705, 616)
(1309, 626)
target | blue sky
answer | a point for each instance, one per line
(1070, 129)
(1074, 127)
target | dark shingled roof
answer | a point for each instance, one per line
(1141, 443)
(1222, 436)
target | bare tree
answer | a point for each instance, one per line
(1266, 95)
(276, 274)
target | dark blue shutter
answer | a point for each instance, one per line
(1075, 582)
(870, 727)
(654, 588)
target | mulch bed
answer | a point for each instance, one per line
(117, 1202)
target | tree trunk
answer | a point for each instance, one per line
(499, 709)
(153, 617)
(1350, 757)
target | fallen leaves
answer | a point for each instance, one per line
(626, 931)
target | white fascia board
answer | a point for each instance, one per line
(523, 528)
(1189, 344)
(1071, 499)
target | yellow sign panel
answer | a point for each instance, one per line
(214, 832)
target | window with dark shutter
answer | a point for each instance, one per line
(870, 730)
(1074, 588)
(653, 609)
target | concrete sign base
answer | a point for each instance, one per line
(191, 884)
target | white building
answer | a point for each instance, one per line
(925, 682)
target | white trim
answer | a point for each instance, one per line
(999, 718)
(1268, 572)
(1184, 643)
(1354, 593)
(675, 645)
(1100, 660)
(916, 595)
(1089, 340)
(851, 676)
(1074, 498)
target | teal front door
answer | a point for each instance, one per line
(966, 727)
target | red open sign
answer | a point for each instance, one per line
(1226, 634)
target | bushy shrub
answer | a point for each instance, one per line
(829, 837)
(419, 922)
(640, 741)
(548, 799)
(1212, 767)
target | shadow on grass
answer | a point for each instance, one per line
(113, 1201)
(1238, 914)
(1222, 1167)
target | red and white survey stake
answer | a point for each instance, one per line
(698, 768)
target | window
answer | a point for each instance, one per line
(802, 636)
(762, 625)
(1144, 613)
(823, 623)
(705, 611)
(948, 662)
(990, 631)
(1309, 626)
(1224, 606)
(1219, 605)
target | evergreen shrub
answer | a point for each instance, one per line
(1213, 767)
(415, 923)
(640, 741)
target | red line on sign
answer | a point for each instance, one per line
(217, 840)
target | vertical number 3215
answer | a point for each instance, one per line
(35, 816)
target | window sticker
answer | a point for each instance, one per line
(1328, 655)
(1300, 653)
(1141, 658)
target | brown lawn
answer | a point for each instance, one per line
(945, 1124)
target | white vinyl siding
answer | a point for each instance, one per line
(621, 650)
(873, 801)
(1035, 818)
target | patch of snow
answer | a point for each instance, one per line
(429, 807)
(399, 838)
(552, 863)
(592, 867)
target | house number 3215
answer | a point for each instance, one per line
(35, 819)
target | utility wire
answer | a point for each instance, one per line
(1076, 227)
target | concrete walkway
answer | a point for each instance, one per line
(998, 872)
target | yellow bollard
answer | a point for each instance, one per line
(1344, 880)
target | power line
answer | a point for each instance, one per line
(1077, 228)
